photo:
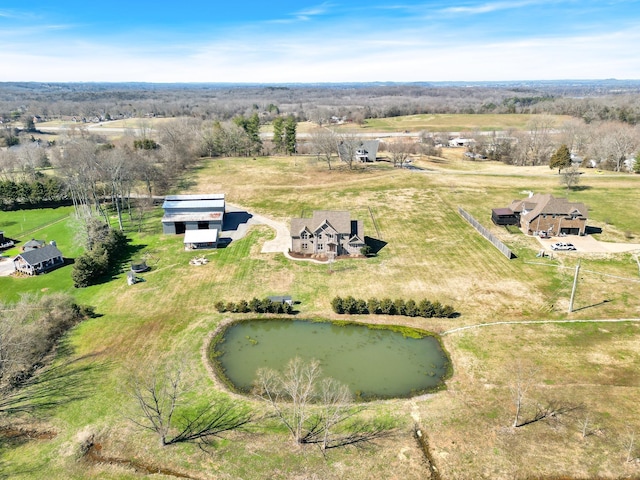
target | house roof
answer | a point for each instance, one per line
(33, 243)
(201, 236)
(366, 148)
(339, 220)
(39, 255)
(503, 211)
(549, 205)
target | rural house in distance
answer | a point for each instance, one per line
(327, 233)
(366, 151)
(199, 217)
(544, 213)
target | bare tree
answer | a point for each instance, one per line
(534, 147)
(400, 150)
(348, 145)
(587, 425)
(523, 381)
(612, 143)
(161, 408)
(324, 144)
(314, 410)
(571, 177)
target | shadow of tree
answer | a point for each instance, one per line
(57, 385)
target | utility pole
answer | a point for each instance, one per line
(575, 284)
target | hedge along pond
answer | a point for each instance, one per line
(374, 361)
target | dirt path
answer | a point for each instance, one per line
(534, 322)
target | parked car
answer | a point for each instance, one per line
(562, 246)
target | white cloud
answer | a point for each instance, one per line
(318, 56)
(491, 7)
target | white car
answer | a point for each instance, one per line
(562, 246)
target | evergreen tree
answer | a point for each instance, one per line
(561, 158)
(278, 133)
(336, 305)
(290, 135)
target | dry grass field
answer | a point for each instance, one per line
(449, 123)
(582, 371)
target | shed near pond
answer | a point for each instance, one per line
(281, 299)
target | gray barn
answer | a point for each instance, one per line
(192, 212)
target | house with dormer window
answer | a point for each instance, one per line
(327, 233)
(554, 216)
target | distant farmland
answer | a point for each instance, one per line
(453, 122)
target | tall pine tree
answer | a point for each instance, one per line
(561, 159)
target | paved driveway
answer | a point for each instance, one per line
(6, 266)
(280, 244)
(588, 244)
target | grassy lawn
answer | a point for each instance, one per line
(430, 252)
(450, 122)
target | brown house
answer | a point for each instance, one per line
(327, 233)
(555, 216)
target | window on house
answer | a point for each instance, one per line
(304, 246)
(320, 246)
(319, 236)
(304, 235)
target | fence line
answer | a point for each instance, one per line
(487, 234)
(375, 223)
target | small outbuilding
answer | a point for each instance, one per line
(38, 260)
(33, 244)
(281, 299)
(199, 239)
(504, 216)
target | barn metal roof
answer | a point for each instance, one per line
(193, 217)
(196, 196)
(213, 204)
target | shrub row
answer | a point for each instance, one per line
(386, 306)
(94, 264)
(255, 305)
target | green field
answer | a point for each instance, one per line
(451, 122)
(430, 252)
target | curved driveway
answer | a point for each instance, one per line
(280, 244)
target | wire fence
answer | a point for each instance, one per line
(487, 234)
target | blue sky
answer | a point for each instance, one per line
(333, 41)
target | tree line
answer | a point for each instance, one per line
(591, 101)
(386, 306)
(254, 305)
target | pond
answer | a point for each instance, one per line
(374, 362)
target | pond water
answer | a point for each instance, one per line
(374, 363)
